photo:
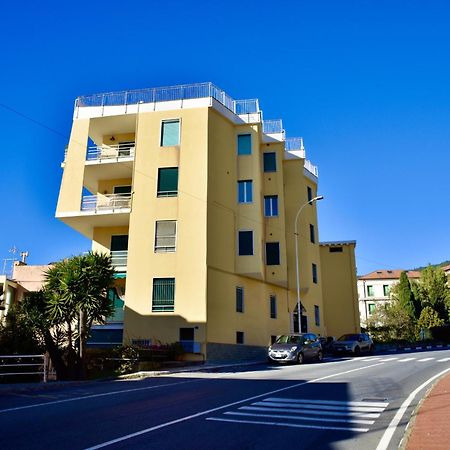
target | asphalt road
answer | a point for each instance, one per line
(337, 404)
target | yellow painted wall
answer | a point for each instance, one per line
(101, 241)
(340, 290)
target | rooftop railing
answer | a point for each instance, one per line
(96, 203)
(311, 168)
(273, 126)
(293, 144)
(167, 94)
(100, 152)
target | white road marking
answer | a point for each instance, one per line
(388, 359)
(326, 402)
(104, 394)
(444, 360)
(424, 359)
(293, 425)
(406, 359)
(308, 411)
(387, 436)
(228, 405)
(324, 407)
(318, 419)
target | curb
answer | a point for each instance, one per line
(413, 348)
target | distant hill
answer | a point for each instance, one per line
(444, 263)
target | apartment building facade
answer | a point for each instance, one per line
(194, 195)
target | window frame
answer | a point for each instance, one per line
(370, 290)
(245, 200)
(169, 308)
(270, 170)
(161, 133)
(270, 198)
(309, 193)
(237, 144)
(279, 255)
(317, 315)
(253, 243)
(239, 306)
(242, 335)
(312, 233)
(386, 290)
(167, 248)
(162, 194)
(273, 306)
(315, 274)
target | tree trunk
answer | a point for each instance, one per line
(55, 356)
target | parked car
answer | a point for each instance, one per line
(355, 344)
(295, 348)
(327, 344)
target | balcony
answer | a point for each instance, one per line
(111, 153)
(106, 203)
(311, 168)
(119, 259)
(273, 131)
(295, 146)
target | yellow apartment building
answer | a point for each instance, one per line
(195, 195)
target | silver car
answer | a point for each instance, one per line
(295, 348)
(355, 343)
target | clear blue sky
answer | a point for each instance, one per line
(366, 83)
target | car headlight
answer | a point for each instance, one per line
(293, 348)
(270, 348)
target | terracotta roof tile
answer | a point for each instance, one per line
(389, 274)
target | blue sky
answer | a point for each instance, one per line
(364, 82)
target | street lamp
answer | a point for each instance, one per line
(309, 202)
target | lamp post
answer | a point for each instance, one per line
(309, 202)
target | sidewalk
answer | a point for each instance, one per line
(431, 430)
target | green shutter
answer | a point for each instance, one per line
(168, 182)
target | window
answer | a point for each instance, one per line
(239, 299)
(270, 162)
(371, 308)
(168, 182)
(310, 196)
(272, 253)
(273, 307)
(335, 249)
(386, 290)
(314, 273)
(370, 292)
(271, 205)
(122, 189)
(170, 133)
(165, 236)
(312, 234)
(239, 337)
(244, 144)
(119, 250)
(245, 191)
(317, 315)
(245, 243)
(163, 299)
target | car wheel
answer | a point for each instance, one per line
(357, 351)
(319, 356)
(300, 358)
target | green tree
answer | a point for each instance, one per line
(432, 291)
(74, 297)
(404, 294)
(429, 318)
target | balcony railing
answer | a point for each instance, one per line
(273, 126)
(106, 202)
(109, 152)
(167, 94)
(294, 144)
(311, 168)
(119, 258)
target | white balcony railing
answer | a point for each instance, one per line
(273, 126)
(109, 152)
(106, 202)
(170, 93)
(119, 258)
(311, 168)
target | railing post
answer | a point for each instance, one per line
(103, 103)
(45, 378)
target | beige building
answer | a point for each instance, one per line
(194, 195)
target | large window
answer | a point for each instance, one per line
(273, 307)
(317, 315)
(165, 236)
(386, 290)
(310, 195)
(312, 233)
(371, 308)
(271, 205)
(244, 144)
(370, 292)
(272, 253)
(239, 299)
(270, 162)
(168, 182)
(245, 191)
(245, 243)
(163, 299)
(314, 273)
(170, 133)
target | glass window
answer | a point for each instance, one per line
(314, 273)
(271, 205)
(122, 189)
(386, 290)
(239, 299)
(335, 249)
(273, 307)
(270, 162)
(245, 243)
(165, 236)
(272, 253)
(244, 144)
(163, 299)
(170, 133)
(371, 308)
(239, 337)
(168, 182)
(317, 315)
(245, 191)
(310, 196)
(370, 292)
(312, 234)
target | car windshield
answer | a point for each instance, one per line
(287, 339)
(349, 337)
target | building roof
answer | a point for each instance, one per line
(385, 274)
(446, 268)
(331, 243)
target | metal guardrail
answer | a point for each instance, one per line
(38, 365)
(107, 201)
(292, 144)
(108, 152)
(273, 126)
(119, 258)
(170, 93)
(311, 168)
